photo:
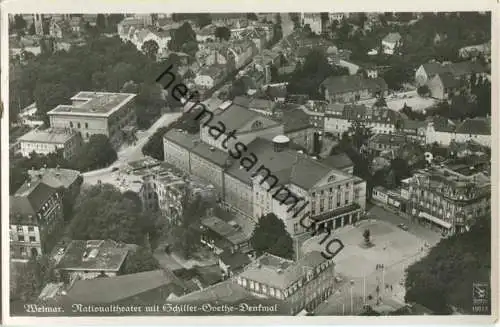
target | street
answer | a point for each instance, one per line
(130, 152)
(358, 266)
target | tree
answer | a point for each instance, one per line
(32, 277)
(150, 48)
(203, 19)
(252, 16)
(19, 22)
(101, 22)
(32, 29)
(222, 33)
(139, 261)
(295, 18)
(184, 40)
(102, 212)
(50, 95)
(238, 88)
(380, 102)
(270, 236)
(423, 90)
(95, 154)
(366, 236)
(444, 277)
(306, 79)
(154, 146)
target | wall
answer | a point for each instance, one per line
(96, 125)
(176, 155)
(238, 194)
(207, 170)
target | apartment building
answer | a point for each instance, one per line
(35, 215)
(304, 284)
(92, 113)
(447, 199)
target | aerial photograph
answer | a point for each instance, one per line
(249, 164)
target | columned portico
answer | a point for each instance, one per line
(337, 218)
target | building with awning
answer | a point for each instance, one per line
(435, 220)
(448, 198)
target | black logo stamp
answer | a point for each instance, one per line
(480, 297)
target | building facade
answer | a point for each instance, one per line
(447, 200)
(304, 284)
(36, 214)
(95, 113)
(51, 140)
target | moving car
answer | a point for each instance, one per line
(403, 227)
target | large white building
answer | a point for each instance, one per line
(51, 140)
(335, 197)
(94, 113)
(443, 131)
(338, 119)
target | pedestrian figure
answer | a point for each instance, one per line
(391, 288)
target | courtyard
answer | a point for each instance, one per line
(359, 267)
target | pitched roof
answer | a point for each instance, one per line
(30, 197)
(279, 272)
(475, 126)
(50, 135)
(343, 84)
(242, 101)
(338, 161)
(456, 69)
(288, 165)
(96, 255)
(448, 80)
(211, 153)
(295, 120)
(236, 116)
(388, 139)
(224, 230)
(113, 289)
(413, 124)
(442, 124)
(180, 137)
(55, 177)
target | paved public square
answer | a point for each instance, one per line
(392, 247)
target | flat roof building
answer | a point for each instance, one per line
(96, 113)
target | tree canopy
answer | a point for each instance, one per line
(444, 278)
(270, 236)
(101, 64)
(139, 261)
(306, 78)
(102, 212)
(154, 146)
(150, 48)
(96, 153)
(184, 40)
(222, 33)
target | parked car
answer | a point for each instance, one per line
(114, 169)
(403, 227)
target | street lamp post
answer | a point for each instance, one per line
(364, 289)
(352, 304)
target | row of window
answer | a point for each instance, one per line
(20, 229)
(79, 125)
(21, 238)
